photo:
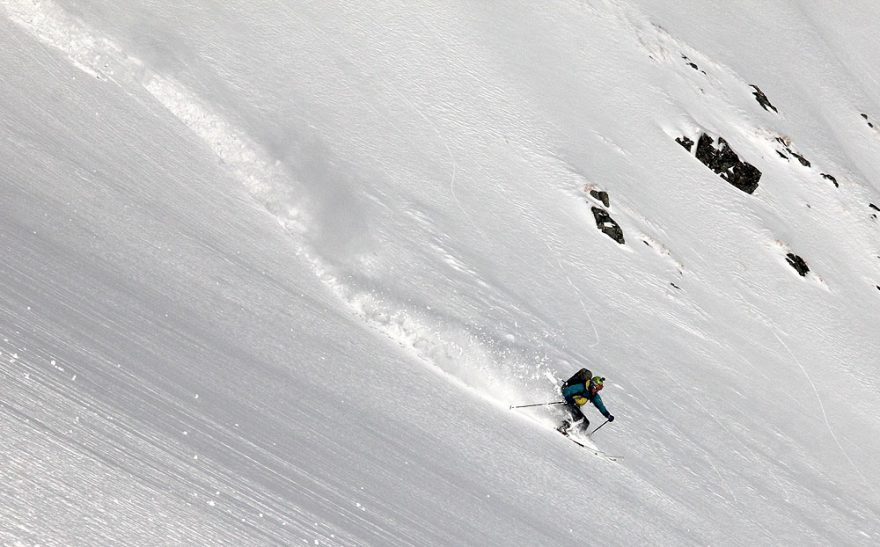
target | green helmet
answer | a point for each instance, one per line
(598, 382)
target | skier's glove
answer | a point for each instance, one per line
(610, 418)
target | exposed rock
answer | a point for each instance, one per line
(607, 225)
(871, 125)
(599, 195)
(686, 142)
(724, 161)
(763, 100)
(872, 206)
(798, 264)
(831, 178)
(804, 161)
(602, 196)
(787, 144)
(691, 64)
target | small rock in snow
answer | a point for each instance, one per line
(831, 178)
(763, 100)
(798, 264)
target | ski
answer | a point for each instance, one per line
(590, 449)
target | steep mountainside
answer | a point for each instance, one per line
(273, 273)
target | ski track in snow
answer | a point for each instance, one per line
(828, 426)
(141, 452)
(580, 296)
(453, 163)
(265, 180)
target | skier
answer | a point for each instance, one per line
(580, 389)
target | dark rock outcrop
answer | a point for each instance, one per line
(804, 161)
(871, 125)
(872, 206)
(692, 64)
(607, 225)
(724, 161)
(602, 196)
(685, 142)
(763, 100)
(798, 264)
(787, 144)
(831, 178)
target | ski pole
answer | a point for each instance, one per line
(539, 404)
(598, 428)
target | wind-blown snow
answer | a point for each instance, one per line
(274, 273)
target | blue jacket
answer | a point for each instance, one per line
(580, 391)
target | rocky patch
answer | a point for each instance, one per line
(724, 161)
(798, 264)
(762, 99)
(602, 196)
(692, 64)
(804, 161)
(831, 178)
(607, 225)
(786, 151)
(686, 142)
(871, 125)
(604, 222)
(786, 143)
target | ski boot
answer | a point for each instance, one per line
(564, 427)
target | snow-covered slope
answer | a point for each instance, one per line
(273, 273)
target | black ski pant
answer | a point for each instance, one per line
(575, 411)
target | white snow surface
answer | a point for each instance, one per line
(272, 273)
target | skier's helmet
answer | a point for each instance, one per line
(597, 382)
